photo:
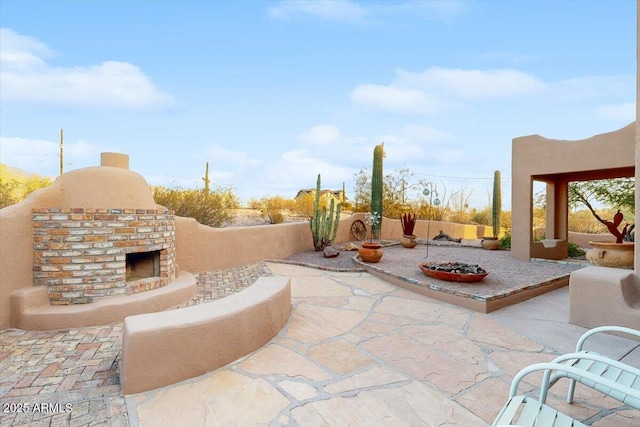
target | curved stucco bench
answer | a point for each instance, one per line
(160, 349)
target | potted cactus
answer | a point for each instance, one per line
(408, 222)
(496, 211)
(609, 254)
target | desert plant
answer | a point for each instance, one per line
(630, 236)
(324, 228)
(496, 211)
(408, 223)
(575, 251)
(505, 240)
(272, 208)
(376, 187)
(212, 208)
(16, 185)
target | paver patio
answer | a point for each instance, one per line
(356, 351)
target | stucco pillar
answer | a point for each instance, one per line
(521, 216)
(561, 213)
(637, 147)
(550, 214)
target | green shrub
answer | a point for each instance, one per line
(213, 208)
(575, 251)
(505, 240)
(272, 208)
(482, 217)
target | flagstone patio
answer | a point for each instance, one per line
(356, 351)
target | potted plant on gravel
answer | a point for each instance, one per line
(371, 251)
(496, 211)
(408, 222)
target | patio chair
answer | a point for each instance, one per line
(625, 379)
(526, 411)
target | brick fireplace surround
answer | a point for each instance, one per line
(83, 254)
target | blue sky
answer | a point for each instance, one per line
(271, 93)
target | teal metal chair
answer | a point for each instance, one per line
(526, 411)
(615, 379)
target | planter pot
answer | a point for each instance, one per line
(611, 254)
(370, 252)
(408, 241)
(491, 243)
(450, 276)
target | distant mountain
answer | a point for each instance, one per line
(17, 173)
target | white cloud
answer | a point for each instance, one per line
(471, 83)
(328, 136)
(391, 98)
(426, 92)
(422, 133)
(595, 87)
(228, 165)
(326, 10)
(443, 10)
(26, 76)
(230, 158)
(348, 11)
(42, 157)
(300, 167)
(625, 111)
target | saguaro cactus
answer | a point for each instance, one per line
(497, 203)
(205, 178)
(324, 228)
(376, 187)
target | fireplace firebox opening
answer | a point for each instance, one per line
(142, 265)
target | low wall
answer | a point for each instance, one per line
(583, 239)
(200, 248)
(163, 348)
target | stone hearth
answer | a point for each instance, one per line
(83, 254)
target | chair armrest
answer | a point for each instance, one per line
(597, 330)
(597, 358)
(549, 367)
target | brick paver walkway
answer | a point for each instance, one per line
(70, 377)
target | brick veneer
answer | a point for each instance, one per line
(80, 253)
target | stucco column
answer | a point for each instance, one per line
(637, 151)
(521, 216)
(561, 212)
(550, 229)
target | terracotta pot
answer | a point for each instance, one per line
(370, 252)
(611, 254)
(408, 241)
(491, 243)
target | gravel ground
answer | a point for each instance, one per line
(505, 273)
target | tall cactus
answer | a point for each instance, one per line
(497, 203)
(324, 228)
(376, 187)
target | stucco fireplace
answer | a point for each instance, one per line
(84, 254)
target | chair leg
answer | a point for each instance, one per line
(545, 385)
(572, 388)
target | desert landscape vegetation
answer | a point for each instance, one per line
(221, 207)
